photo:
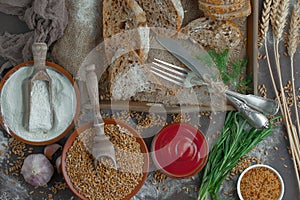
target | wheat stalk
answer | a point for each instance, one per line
(265, 21)
(292, 47)
(279, 12)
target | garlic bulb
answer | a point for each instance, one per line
(51, 149)
(58, 164)
(37, 170)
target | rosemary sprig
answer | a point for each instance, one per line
(237, 139)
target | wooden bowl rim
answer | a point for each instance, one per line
(71, 125)
(85, 126)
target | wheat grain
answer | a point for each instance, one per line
(280, 19)
(293, 39)
(265, 21)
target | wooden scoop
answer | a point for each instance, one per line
(39, 51)
(102, 146)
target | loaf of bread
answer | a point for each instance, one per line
(213, 34)
(166, 14)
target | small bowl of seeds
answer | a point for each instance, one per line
(88, 181)
(260, 182)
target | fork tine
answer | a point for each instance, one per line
(165, 76)
(172, 66)
(169, 70)
(159, 68)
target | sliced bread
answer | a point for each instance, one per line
(223, 2)
(167, 14)
(213, 34)
(220, 9)
(121, 22)
(222, 12)
(129, 76)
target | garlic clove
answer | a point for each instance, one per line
(37, 170)
(51, 149)
(58, 164)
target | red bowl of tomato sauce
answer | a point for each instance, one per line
(179, 150)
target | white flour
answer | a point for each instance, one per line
(12, 104)
(40, 113)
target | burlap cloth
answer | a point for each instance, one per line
(46, 20)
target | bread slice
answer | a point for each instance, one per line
(213, 34)
(167, 14)
(220, 9)
(223, 2)
(122, 20)
(215, 14)
(129, 76)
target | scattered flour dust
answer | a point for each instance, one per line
(3, 147)
(12, 189)
(13, 109)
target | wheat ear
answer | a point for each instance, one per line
(279, 20)
(293, 41)
(274, 10)
(265, 20)
(268, 14)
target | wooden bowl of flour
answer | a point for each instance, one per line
(65, 94)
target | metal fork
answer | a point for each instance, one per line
(187, 78)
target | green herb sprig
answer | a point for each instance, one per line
(237, 139)
(233, 76)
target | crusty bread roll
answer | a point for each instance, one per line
(213, 34)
